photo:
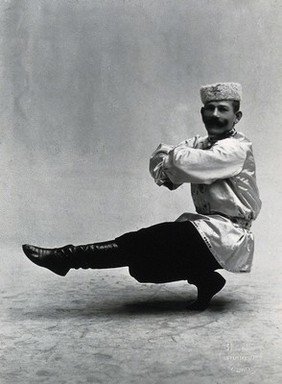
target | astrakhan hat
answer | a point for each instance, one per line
(221, 91)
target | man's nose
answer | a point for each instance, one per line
(215, 112)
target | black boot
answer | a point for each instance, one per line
(208, 286)
(61, 260)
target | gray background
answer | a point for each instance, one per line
(90, 88)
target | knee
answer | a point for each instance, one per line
(140, 275)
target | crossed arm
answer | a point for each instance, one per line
(172, 166)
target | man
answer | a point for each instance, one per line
(221, 170)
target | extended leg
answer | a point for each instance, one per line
(158, 245)
(61, 260)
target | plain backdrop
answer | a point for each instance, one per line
(90, 88)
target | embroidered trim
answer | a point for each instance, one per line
(231, 133)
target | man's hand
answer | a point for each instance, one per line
(170, 185)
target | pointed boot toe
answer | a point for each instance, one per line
(56, 260)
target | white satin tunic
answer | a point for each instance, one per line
(224, 191)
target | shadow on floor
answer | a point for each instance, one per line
(150, 307)
(165, 306)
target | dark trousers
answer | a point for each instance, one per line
(167, 252)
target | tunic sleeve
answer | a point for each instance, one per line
(156, 166)
(184, 164)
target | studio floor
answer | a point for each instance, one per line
(104, 327)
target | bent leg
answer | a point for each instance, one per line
(208, 284)
(166, 252)
(173, 251)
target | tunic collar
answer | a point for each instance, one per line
(213, 140)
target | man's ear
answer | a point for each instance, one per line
(202, 112)
(239, 115)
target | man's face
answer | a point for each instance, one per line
(219, 117)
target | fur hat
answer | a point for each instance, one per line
(221, 91)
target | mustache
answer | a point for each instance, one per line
(215, 121)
